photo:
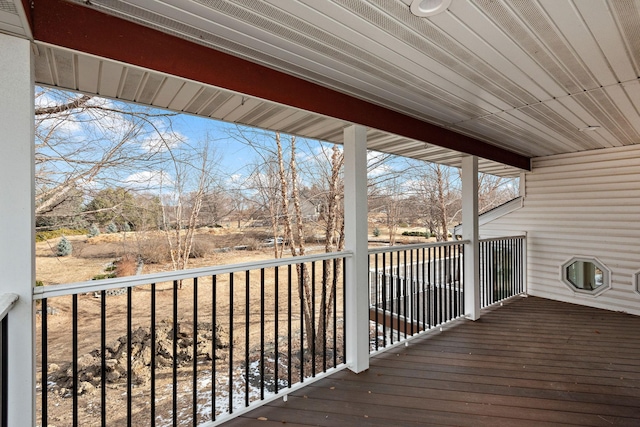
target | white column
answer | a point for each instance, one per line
(17, 248)
(522, 184)
(470, 233)
(356, 240)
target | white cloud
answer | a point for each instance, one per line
(163, 141)
(154, 181)
(376, 165)
(235, 178)
(47, 99)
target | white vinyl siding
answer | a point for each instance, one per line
(585, 204)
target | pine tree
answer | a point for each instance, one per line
(64, 247)
(94, 231)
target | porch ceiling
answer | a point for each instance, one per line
(60, 67)
(523, 77)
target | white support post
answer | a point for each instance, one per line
(522, 184)
(471, 234)
(356, 240)
(17, 256)
(525, 264)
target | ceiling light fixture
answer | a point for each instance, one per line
(425, 8)
(589, 128)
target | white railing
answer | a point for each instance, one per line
(7, 301)
(413, 288)
(197, 345)
(502, 269)
(210, 343)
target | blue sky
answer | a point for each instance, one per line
(185, 135)
(234, 154)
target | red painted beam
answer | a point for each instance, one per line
(26, 5)
(84, 29)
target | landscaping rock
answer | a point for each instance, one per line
(116, 357)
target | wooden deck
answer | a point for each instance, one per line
(533, 362)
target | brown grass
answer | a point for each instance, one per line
(91, 256)
(127, 265)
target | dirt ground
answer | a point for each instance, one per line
(92, 255)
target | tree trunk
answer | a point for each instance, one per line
(335, 224)
(297, 247)
(442, 205)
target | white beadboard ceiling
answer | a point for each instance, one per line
(523, 75)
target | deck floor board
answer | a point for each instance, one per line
(531, 362)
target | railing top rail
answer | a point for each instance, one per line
(415, 246)
(7, 301)
(42, 292)
(493, 239)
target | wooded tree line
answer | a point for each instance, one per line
(104, 162)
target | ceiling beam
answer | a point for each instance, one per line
(84, 29)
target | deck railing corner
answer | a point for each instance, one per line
(7, 301)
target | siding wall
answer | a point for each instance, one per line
(585, 204)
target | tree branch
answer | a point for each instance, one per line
(56, 109)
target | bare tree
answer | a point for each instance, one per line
(334, 231)
(276, 180)
(393, 203)
(445, 196)
(334, 235)
(215, 207)
(439, 194)
(296, 245)
(85, 143)
(325, 173)
(495, 190)
(437, 190)
(193, 173)
(265, 182)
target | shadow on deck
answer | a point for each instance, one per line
(532, 362)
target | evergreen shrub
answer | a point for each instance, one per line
(64, 247)
(93, 231)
